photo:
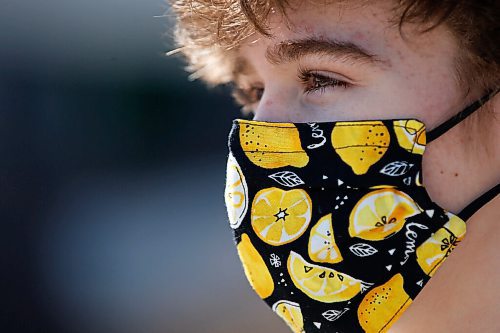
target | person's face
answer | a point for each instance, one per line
(346, 62)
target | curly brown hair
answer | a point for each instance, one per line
(208, 32)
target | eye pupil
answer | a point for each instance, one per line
(320, 82)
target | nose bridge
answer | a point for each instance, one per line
(276, 105)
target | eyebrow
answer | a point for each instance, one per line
(293, 50)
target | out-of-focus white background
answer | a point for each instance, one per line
(112, 177)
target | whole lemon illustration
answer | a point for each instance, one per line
(380, 214)
(278, 216)
(291, 313)
(321, 283)
(272, 145)
(383, 305)
(433, 252)
(255, 268)
(360, 144)
(411, 135)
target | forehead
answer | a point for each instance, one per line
(373, 26)
(359, 20)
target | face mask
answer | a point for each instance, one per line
(331, 222)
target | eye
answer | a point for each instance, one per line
(315, 81)
(247, 97)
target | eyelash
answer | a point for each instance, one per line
(312, 80)
(316, 82)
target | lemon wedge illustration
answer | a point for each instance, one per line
(432, 253)
(321, 283)
(322, 246)
(411, 135)
(236, 193)
(290, 312)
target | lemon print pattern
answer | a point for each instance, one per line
(383, 305)
(279, 216)
(335, 237)
(411, 135)
(360, 144)
(321, 283)
(272, 147)
(432, 253)
(236, 193)
(255, 268)
(291, 313)
(322, 246)
(380, 214)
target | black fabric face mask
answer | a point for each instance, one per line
(331, 221)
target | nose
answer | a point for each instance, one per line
(268, 110)
(277, 105)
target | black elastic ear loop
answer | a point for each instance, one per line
(441, 129)
(475, 205)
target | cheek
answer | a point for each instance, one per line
(424, 84)
(397, 99)
(429, 94)
(268, 103)
(432, 97)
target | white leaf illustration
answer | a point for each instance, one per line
(287, 178)
(332, 315)
(363, 250)
(396, 168)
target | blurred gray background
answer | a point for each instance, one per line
(111, 178)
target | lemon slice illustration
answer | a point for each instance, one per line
(278, 216)
(360, 144)
(411, 135)
(322, 246)
(383, 305)
(255, 268)
(432, 253)
(290, 312)
(380, 214)
(236, 193)
(320, 283)
(272, 146)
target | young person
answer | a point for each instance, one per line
(342, 222)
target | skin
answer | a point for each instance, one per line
(416, 79)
